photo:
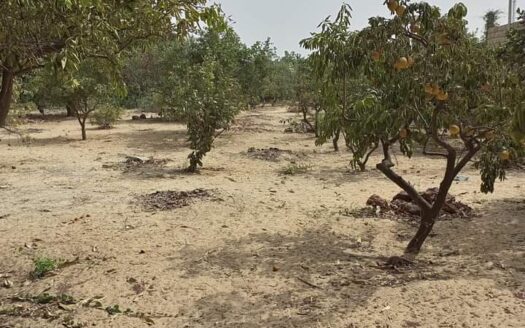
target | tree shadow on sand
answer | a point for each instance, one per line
(318, 276)
(344, 175)
(155, 140)
(492, 245)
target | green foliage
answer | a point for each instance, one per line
(514, 54)
(43, 265)
(211, 104)
(413, 81)
(262, 75)
(66, 32)
(341, 89)
(199, 87)
(256, 78)
(106, 116)
(205, 80)
(96, 82)
(46, 298)
(491, 18)
(474, 89)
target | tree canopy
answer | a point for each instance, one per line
(425, 84)
(65, 32)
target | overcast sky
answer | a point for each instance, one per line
(287, 22)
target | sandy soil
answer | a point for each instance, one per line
(268, 250)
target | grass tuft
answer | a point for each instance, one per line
(294, 169)
(43, 265)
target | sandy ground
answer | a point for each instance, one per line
(269, 251)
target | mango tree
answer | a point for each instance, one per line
(94, 84)
(257, 69)
(33, 33)
(200, 88)
(337, 63)
(437, 90)
(514, 53)
(307, 92)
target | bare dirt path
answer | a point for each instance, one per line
(266, 250)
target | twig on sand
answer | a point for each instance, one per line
(11, 130)
(308, 283)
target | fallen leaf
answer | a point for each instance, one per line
(7, 283)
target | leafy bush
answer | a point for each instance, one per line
(106, 117)
(201, 89)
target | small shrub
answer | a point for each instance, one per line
(18, 113)
(113, 310)
(106, 117)
(43, 265)
(294, 169)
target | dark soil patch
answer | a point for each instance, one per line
(133, 164)
(299, 127)
(272, 154)
(170, 200)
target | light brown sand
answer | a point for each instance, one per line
(275, 251)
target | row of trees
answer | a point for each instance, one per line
(66, 33)
(262, 75)
(420, 82)
(88, 56)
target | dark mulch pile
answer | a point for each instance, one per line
(299, 127)
(170, 200)
(403, 206)
(270, 154)
(133, 163)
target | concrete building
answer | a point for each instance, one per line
(498, 35)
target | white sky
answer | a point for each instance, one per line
(287, 22)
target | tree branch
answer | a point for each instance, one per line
(434, 133)
(370, 152)
(464, 161)
(429, 153)
(416, 37)
(386, 168)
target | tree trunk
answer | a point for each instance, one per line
(362, 166)
(317, 111)
(83, 126)
(6, 93)
(70, 111)
(425, 227)
(304, 110)
(336, 140)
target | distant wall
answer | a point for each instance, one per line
(498, 35)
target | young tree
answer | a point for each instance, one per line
(255, 72)
(307, 92)
(334, 64)
(200, 88)
(91, 86)
(94, 83)
(33, 33)
(436, 86)
(337, 63)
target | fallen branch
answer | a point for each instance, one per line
(308, 283)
